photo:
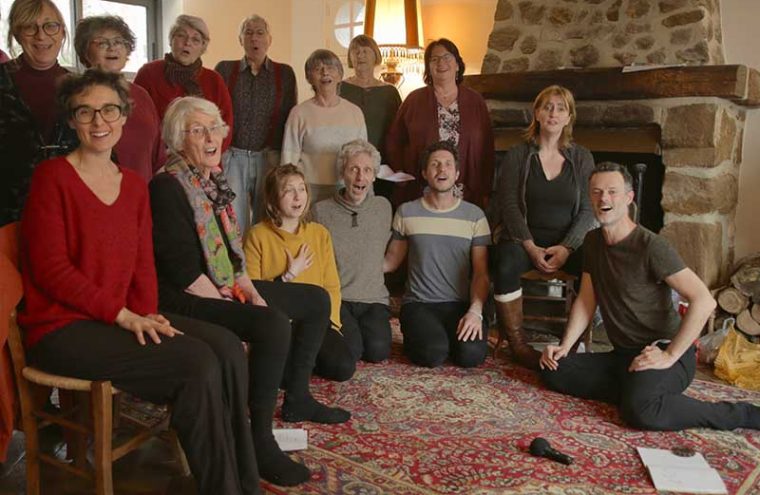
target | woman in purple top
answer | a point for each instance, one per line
(106, 42)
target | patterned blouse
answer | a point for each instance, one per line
(448, 122)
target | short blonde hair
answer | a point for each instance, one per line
(534, 129)
(25, 12)
(362, 40)
(192, 22)
(175, 119)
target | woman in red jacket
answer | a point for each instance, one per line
(444, 110)
(91, 295)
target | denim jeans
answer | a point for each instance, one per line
(245, 171)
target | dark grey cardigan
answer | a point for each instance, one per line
(513, 176)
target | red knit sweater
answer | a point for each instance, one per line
(151, 77)
(83, 259)
(140, 147)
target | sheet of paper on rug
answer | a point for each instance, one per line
(290, 439)
(387, 173)
(674, 473)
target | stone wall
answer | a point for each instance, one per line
(701, 141)
(553, 34)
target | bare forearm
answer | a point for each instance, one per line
(478, 292)
(691, 325)
(580, 314)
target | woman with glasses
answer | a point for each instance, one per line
(444, 110)
(202, 274)
(30, 129)
(181, 72)
(106, 42)
(317, 128)
(91, 297)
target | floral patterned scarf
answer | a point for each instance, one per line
(207, 198)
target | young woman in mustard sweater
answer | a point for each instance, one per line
(288, 248)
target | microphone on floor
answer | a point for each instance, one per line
(540, 447)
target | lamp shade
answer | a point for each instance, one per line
(394, 22)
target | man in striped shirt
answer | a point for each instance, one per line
(446, 239)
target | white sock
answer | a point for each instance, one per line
(508, 297)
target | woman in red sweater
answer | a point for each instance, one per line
(106, 42)
(181, 72)
(91, 295)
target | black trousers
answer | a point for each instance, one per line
(648, 400)
(268, 332)
(202, 374)
(429, 331)
(511, 261)
(367, 330)
(315, 346)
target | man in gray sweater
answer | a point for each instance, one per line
(360, 225)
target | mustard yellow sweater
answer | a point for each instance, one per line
(265, 257)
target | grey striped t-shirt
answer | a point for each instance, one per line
(440, 243)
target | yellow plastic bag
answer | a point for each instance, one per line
(738, 361)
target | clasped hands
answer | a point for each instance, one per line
(547, 260)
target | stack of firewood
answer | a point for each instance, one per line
(741, 299)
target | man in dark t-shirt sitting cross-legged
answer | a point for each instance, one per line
(629, 272)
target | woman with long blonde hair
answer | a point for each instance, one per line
(545, 210)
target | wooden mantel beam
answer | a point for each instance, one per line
(737, 83)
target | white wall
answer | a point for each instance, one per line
(741, 46)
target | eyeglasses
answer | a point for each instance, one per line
(200, 131)
(443, 58)
(106, 43)
(86, 114)
(194, 40)
(50, 28)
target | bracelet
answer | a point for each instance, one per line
(479, 315)
(287, 276)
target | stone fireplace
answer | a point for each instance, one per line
(691, 115)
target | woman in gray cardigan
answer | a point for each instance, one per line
(545, 210)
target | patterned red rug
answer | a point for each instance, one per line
(449, 430)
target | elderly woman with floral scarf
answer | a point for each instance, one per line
(201, 273)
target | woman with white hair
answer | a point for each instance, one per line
(360, 226)
(202, 274)
(181, 72)
(318, 127)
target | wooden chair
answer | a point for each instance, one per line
(556, 288)
(87, 407)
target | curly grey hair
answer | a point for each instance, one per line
(356, 147)
(89, 27)
(175, 120)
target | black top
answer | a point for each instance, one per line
(549, 203)
(177, 247)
